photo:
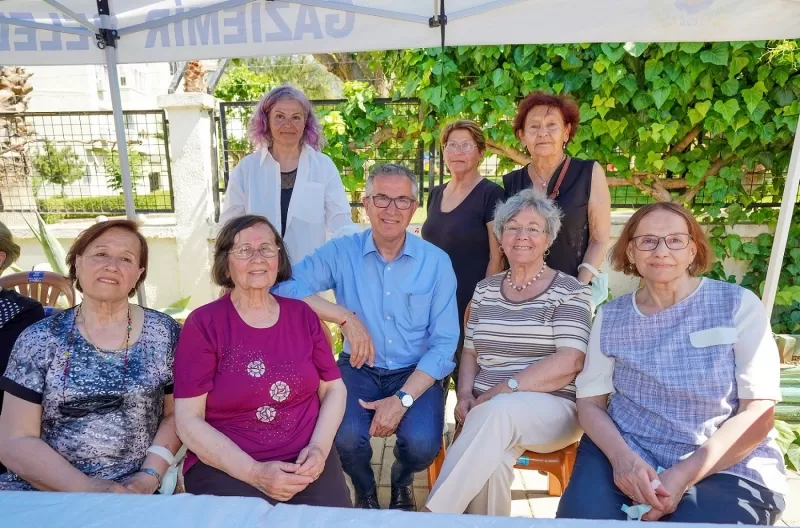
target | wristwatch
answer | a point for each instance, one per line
(405, 398)
(513, 385)
(153, 473)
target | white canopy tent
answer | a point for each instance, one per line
(59, 32)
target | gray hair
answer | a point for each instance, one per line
(386, 169)
(532, 199)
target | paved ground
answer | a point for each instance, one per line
(529, 491)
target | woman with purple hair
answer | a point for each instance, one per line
(288, 180)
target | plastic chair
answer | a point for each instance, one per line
(43, 286)
(557, 464)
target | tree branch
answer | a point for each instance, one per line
(515, 155)
(683, 144)
(713, 170)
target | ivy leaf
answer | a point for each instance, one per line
(753, 96)
(629, 82)
(738, 63)
(783, 96)
(660, 95)
(780, 76)
(674, 165)
(652, 69)
(730, 87)
(599, 127)
(697, 170)
(613, 51)
(668, 47)
(698, 113)
(635, 49)
(587, 112)
(714, 125)
(684, 82)
(718, 54)
(758, 113)
(727, 110)
(497, 77)
(751, 248)
(642, 100)
(691, 47)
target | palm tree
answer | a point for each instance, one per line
(16, 191)
(194, 78)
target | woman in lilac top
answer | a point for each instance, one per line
(258, 395)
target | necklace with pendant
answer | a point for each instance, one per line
(96, 348)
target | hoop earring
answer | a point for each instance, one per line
(546, 252)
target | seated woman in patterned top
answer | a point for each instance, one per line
(88, 404)
(683, 375)
(525, 341)
(258, 394)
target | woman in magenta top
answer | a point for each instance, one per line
(258, 395)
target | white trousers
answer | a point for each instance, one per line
(479, 467)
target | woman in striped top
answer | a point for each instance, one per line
(525, 341)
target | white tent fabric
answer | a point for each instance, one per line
(241, 28)
(41, 32)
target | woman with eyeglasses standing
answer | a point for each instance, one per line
(288, 180)
(259, 397)
(683, 375)
(461, 215)
(545, 124)
(88, 404)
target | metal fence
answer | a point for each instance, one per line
(66, 164)
(427, 162)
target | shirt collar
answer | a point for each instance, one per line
(411, 247)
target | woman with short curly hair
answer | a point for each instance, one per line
(545, 124)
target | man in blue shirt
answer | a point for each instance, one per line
(403, 289)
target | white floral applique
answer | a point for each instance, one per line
(265, 413)
(256, 368)
(279, 391)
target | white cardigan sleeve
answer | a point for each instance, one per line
(338, 219)
(235, 202)
(597, 376)
(755, 352)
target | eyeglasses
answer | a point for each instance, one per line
(247, 252)
(401, 202)
(674, 241)
(86, 406)
(533, 232)
(465, 147)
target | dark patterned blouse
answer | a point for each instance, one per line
(110, 445)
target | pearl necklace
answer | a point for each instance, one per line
(520, 288)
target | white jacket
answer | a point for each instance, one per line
(319, 207)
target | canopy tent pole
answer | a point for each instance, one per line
(107, 40)
(782, 227)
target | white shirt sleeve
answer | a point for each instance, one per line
(755, 352)
(596, 378)
(234, 203)
(338, 216)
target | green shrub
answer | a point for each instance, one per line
(56, 209)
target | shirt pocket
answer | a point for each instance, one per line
(310, 205)
(713, 337)
(418, 310)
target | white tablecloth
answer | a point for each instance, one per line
(78, 510)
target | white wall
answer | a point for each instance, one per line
(164, 285)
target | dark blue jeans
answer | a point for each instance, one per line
(419, 435)
(717, 499)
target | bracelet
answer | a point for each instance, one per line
(153, 473)
(589, 267)
(346, 318)
(162, 452)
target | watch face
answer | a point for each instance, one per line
(512, 384)
(407, 400)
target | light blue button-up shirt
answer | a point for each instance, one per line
(408, 305)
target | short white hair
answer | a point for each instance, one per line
(534, 200)
(386, 169)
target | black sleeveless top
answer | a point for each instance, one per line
(566, 253)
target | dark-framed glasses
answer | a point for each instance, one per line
(246, 252)
(401, 202)
(674, 241)
(465, 147)
(95, 404)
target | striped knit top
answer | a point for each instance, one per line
(508, 336)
